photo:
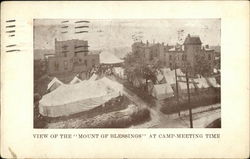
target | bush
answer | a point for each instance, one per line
(208, 97)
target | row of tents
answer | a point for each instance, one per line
(166, 84)
(78, 96)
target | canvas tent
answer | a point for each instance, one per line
(54, 84)
(162, 91)
(82, 96)
(165, 70)
(170, 77)
(119, 71)
(75, 80)
(212, 82)
(182, 87)
(201, 83)
(109, 58)
(160, 78)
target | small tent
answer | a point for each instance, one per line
(165, 70)
(162, 91)
(54, 84)
(212, 82)
(182, 87)
(170, 77)
(75, 80)
(160, 78)
(119, 71)
(201, 83)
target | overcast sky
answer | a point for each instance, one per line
(106, 34)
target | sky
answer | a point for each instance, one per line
(115, 33)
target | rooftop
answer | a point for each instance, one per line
(192, 40)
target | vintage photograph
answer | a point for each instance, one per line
(127, 73)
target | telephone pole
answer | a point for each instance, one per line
(177, 90)
(189, 103)
(188, 92)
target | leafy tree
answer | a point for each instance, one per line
(202, 66)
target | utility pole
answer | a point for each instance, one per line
(189, 105)
(188, 91)
(177, 90)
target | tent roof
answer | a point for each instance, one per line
(165, 70)
(159, 77)
(183, 86)
(202, 83)
(212, 82)
(163, 88)
(109, 58)
(93, 77)
(83, 90)
(192, 40)
(170, 77)
(75, 80)
(54, 80)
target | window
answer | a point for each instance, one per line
(85, 53)
(93, 62)
(85, 62)
(56, 66)
(65, 65)
(170, 57)
(80, 60)
(183, 57)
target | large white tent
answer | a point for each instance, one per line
(109, 58)
(162, 91)
(82, 96)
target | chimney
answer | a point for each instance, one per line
(189, 35)
(207, 46)
(147, 42)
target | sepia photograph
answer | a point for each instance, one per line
(127, 73)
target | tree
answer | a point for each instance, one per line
(202, 66)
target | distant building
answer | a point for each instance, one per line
(178, 55)
(71, 57)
